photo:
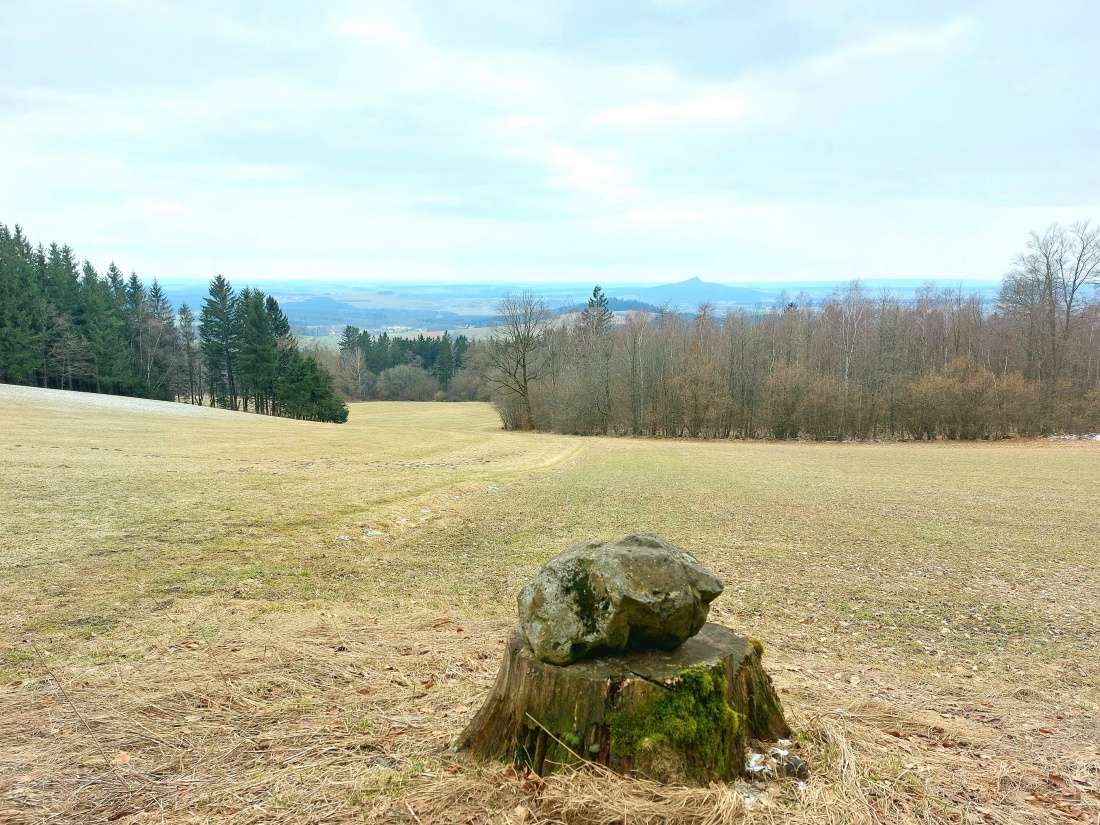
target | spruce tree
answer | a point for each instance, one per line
(160, 344)
(22, 308)
(284, 343)
(596, 317)
(445, 362)
(218, 331)
(105, 331)
(190, 360)
(461, 345)
(257, 361)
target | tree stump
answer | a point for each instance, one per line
(681, 715)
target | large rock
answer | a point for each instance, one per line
(638, 592)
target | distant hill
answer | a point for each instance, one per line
(694, 291)
(430, 306)
(328, 312)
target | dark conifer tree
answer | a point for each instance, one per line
(190, 356)
(379, 354)
(596, 317)
(117, 281)
(105, 331)
(366, 343)
(461, 345)
(306, 391)
(159, 344)
(257, 361)
(284, 343)
(445, 362)
(22, 308)
(219, 333)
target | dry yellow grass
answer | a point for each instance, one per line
(214, 617)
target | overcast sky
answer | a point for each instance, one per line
(503, 140)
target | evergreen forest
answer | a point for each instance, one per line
(64, 325)
(378, 367)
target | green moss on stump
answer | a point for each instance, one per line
(689, 734)
(679, 716)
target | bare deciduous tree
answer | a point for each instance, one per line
(1043, 294)
(511, 357)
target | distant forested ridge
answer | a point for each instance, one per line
(857, 365)
(63, 325)
(613, 305)
(316, 315)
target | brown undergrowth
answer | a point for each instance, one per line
(338, 716)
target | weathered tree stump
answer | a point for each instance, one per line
(675, 716)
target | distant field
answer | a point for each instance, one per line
(213, 616)
(333, 341)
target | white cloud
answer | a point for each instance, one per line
(169, 208)
(850, 76)
(329, 142)
(926, 44)
(580, 170)
(719, 108)
(370, 30)
(664, 215)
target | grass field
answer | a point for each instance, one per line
(219, 617)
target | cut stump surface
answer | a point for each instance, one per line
(682, 715)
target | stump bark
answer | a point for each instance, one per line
(675, 716)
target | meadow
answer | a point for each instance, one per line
(211, 616)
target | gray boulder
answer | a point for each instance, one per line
(638, 592)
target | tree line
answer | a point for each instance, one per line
(424, 368)
(63, 325)
(856, 366)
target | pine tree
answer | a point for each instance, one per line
(307, 393)
(353, 361)
(461, 345)
(160, 344)
(445, 362)
(133, 312)
(190, 361)
(62, 281)
(284, 343)
(105, 331)
(380, 354)
(117, 283)
(22, 308)
(257, 359)
(596, 318)
(349, 339)
(218, 332)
